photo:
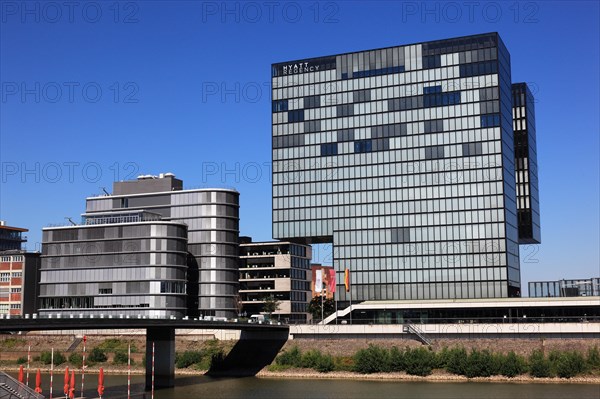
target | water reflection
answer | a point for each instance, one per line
(250, 387)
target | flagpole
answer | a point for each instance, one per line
(336, 310)
(347, 284)
(83, 366)
(28, 361)
(129, 371)
(322, 303)
(51, 371)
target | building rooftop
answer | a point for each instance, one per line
(5, 227)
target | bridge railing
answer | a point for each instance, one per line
(16, 388)
(467, 320)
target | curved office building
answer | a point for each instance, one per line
(212, 216)
(117, 264)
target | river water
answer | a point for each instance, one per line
(251, 387)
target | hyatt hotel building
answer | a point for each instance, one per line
(405, 159)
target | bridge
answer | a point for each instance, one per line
(258, 345)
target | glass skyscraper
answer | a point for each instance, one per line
(528, 205)
(404, 159)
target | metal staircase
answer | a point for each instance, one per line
(412, 329)
(74, 344)
(13, 389)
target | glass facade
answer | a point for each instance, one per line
(564, 288)
(212, 217)
(129, 269)
(404, 159)
(11, 238)
(528, 204)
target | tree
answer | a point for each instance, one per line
(239, 305)
(271, 305)
(314, 307)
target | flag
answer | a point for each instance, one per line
(331, 281)
(347, 279)
(101, 382)
(318, 280)
(38, 382)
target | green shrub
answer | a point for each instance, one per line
(116, 345)
(456, 361)
(570, 364)
(512, 365)
(59, 358)
(76, 359)
(10, 343)
(97, 355)
(120, 357)
(441, 358)
(553, 356)
(419, 361)
(593, 358)
(371, 360)
(344, 363)
(539, 366)
(481, 364)
(111, 344)
(212, 347)
(397, 360)
(291, 357)
(325, 364)
(46, 358)
(187, 358)
(22, 360)
(311, 359)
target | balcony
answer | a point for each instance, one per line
(263, 275)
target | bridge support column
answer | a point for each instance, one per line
(254, 350)
(164, 357)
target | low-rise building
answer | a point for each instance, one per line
(11, 238)
(19, 273)
(118, 263)
(280, 270)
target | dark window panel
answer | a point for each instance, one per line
(434, 152)
(470, 149)
(312, 126)
(363, 146)
(296, 116)
(360, 96)
(280, 105)
(329, 149)
(345, 135)
(312, 102)
(345, 110)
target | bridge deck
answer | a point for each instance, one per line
(44, 324)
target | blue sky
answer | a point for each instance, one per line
(93, 92)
